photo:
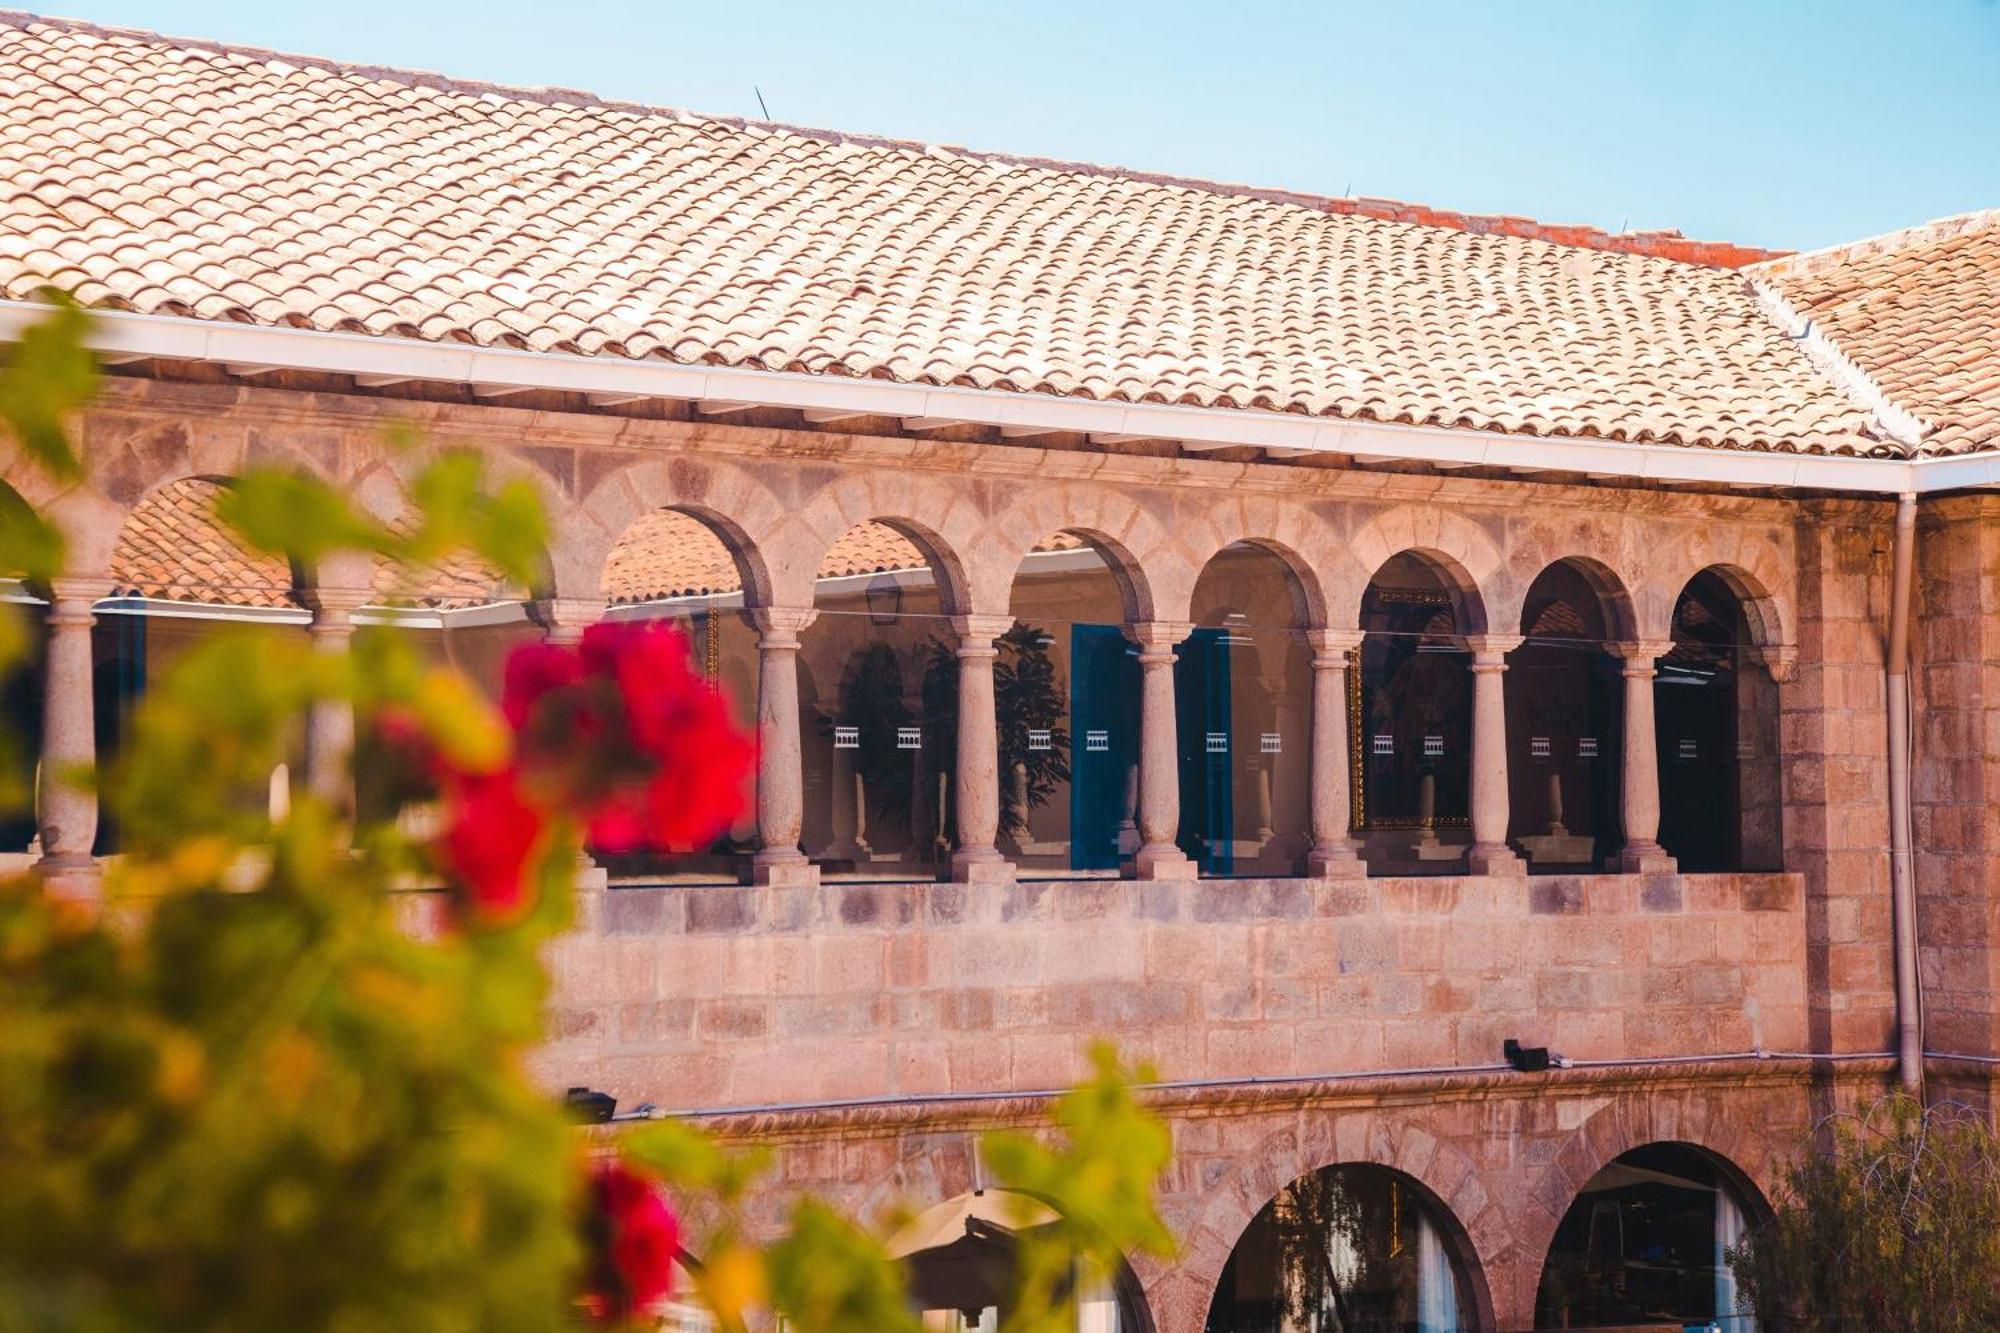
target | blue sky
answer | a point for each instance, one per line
(1781, 124)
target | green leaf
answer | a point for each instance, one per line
(827, 1275)
(299, 517)
(49, 374)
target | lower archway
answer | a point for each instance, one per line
(1356, 1248)
(959, 1257)
(1644, 1245)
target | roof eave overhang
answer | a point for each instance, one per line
(119, 333)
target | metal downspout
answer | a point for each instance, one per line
(1902, 879)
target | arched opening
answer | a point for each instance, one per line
(1357, 1248)
(1644, 1245)
(1243, 695)
(878, 710)
(178, 577)
(1410, 718)
(1565, 710)
(677, 567)
(1716, 716)
(959, 1259)
(1066, 691)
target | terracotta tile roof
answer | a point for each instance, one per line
(1918, 311)
(173, 548)
(187, 178)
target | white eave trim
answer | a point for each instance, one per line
(123, 333)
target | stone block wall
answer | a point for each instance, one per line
(1836, 777)
(740, 996)
(1956, 778)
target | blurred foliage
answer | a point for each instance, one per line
(262, 1085)
(1892, 1220)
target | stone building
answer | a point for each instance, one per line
(1309, 641)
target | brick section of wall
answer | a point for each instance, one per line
(1836, 774)
(1956, 779)
(741, 996)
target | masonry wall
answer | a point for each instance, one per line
(1295, 1003)
(743, 996)
(1956, 784)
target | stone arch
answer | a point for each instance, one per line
(1621, 615)
(1476, 1228)
(1135, 543)
(1753, 564)
(745, 563)
(1134, 593)
(950, 529)
(1297, 537)
(1761, 609)
(1617, 1126)
(1462, 552)
(1469, 607)
(728, 498)
(1308, 597)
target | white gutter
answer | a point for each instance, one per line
(132, 335)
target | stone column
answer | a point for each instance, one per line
(781, 797)
(1489, 853)
(330, 722)
(976, 790)
(1159, 856)
(68, 813)
(1332, 855)
(1640, 788)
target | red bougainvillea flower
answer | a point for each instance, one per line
(633, 1239)
(492, 841)
(624, 732)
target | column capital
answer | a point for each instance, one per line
(333, 608)
(779, 627)
(1640, 654)
(1331, 646)
(976, 634)
(1158, 638)
(1490, 650)
(73, 594)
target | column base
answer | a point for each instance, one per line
(1645, 858)
(1335, 862)
(785, 870)
(72, 876)
(1494, 858)
(1163, 862)
(983, 867)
